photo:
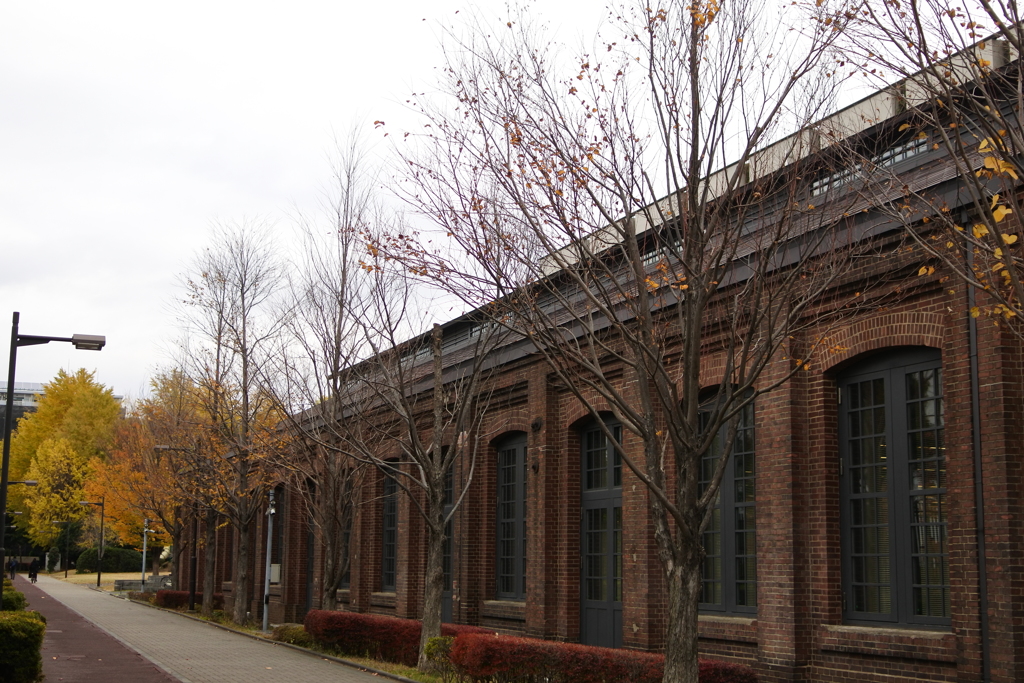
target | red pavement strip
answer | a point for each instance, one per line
(77, 651)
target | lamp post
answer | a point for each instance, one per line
(99, 552)
(67, 543)
(193, 563)
(271, 509)
(89, 342)
(146, 531)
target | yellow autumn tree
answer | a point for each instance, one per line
(55, 445)
(61, 473)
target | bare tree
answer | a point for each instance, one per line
(415, 410)
(321, 341)
(230, 291)
(645, 223)
(958, 78)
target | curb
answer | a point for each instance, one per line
(319, 655)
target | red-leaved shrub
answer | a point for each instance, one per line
(372, 635)
(179, 599)
(506, 659)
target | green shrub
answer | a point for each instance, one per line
(438, 652)
(14, 601)
(21, 638)
(114, 560)
(294, 634)
(7, 584)
(35, 615)
(52, 557)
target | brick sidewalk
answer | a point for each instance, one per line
(190, 651)
(76, 651)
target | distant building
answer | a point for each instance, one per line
(26, 399)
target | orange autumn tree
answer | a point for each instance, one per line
(137, 483)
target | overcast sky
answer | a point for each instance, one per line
(127, 129)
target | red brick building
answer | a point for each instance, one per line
(872, 524)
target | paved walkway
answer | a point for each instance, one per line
(190, 651)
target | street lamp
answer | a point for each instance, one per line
(66, 560)
(99, 552)
(90, 342)
(146, 531)
(271, 509)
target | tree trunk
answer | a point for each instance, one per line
(433, 590)
(240, 585)
(175, 558)
(332, 579)
(209, 561)
(684, 585)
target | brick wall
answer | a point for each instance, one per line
(798, 632)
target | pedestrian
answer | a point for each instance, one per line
(12, 566)
(33, 569)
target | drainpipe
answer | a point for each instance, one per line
(979, 487)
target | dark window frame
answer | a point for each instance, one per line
(602, 577)
(733, 555)
(510, 519)
(901, 371)
(389, 533)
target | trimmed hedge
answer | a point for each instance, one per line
(507, 659)
(21, 638)
(114, 560)
(372, 635)
(13, 601)
(179, 599)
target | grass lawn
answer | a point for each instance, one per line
(108, 578)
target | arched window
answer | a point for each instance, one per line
(510, 561)
(893, 490)
(730, 562)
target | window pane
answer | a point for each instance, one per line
(596, 554)
(926, 465)
(729, 571)
(511, 522)
(596, 460)
(389, 534)
(895, 525)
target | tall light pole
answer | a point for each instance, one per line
(271, 509)
(99, 552)
(193, 563)
(146, 531)
(89, 342)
